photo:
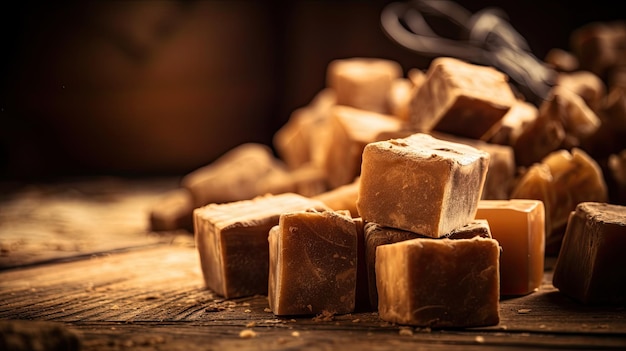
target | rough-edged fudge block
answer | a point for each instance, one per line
(461, 98)
(439, 283)
(502, 168)
(519, 227)
(351, 129)
(421, 184)
(590, 265)
(172, 211)
(376, 235)
(562, 180)
(363, 82)
(303, 137)
(245, 171)
(231, 239)
(521, 115)
(313, 263)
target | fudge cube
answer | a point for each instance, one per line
(502, 168)
(245, 171)
(519, 227)
(461, 98)
(363, 83)
(376, 235)
(231, 239)
(351, 129)
(439, 283)
(590, 265)
(313, 263)
(421, 184)
(562, 180)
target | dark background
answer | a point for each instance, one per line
(137, 88)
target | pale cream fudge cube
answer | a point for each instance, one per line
(313, 263)
(231, 239)
(351, 129)
(519, 227)
(439, 283)
(421, 184)
(363, 82)
(376, 235)
(590, 265)
(461, 98)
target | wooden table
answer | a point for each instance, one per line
(78, 263)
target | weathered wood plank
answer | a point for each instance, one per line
(80, 255)
(47, 222)
(137, 296)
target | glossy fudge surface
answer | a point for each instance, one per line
(439, 283)
(421, 184)
(231, 239)
(313, 263)
(519, 227)
(591, 264)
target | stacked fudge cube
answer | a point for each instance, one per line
(427, 190)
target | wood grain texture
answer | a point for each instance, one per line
(151, 296)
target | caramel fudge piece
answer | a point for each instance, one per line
(232, 241)
(172, 211)
(363, 83)
(421, 184)
(590, 265)
(303, 137)
(461, 98)
(376, 235)
(351, 130)
(585, 84)
(241, 173)
(342, 197)
(439, 283)
(399, 99)
(313, 263)
(562, 180)
(502, 167)
(513, 124)
(519, 227)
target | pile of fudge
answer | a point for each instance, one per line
(424, 196)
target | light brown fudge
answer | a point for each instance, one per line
(313, 263)
(363, 82)
(561, 180)
(351, 129)
(231, 239)
(245, 171)
(421, 184)
(502, 167)
(460, 98)
(376, 235)
(519, 227)
(590, 265)
(439, 283)
(172, 211)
